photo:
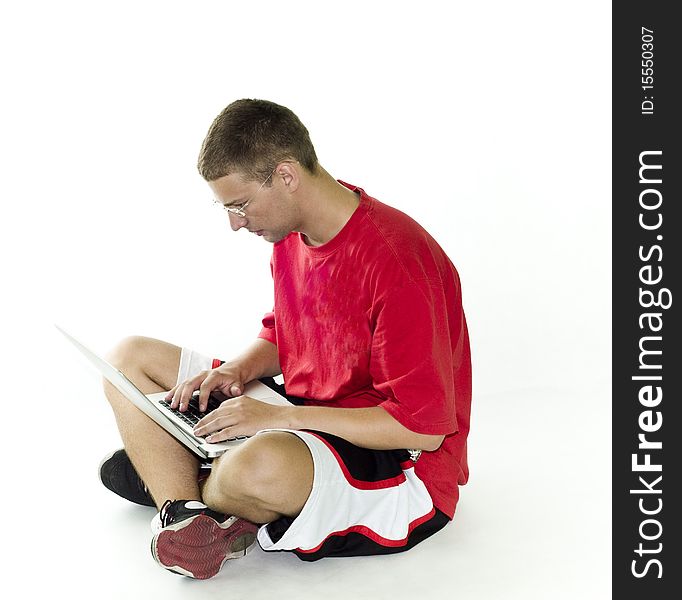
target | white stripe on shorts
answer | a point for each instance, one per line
(336, 506)
(192, 363)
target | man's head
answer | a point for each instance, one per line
(250, 137)
(253, 158)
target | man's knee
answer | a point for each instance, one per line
(130, 351)
(149, 363)
(267, 468)
(263, 461)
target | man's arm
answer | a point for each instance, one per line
(372, 427)
(260, 359)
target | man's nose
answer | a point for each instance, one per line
(236, 222)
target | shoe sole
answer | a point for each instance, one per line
(199, 546)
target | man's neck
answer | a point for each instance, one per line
(328, 206)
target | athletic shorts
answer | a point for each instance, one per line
(362, 501)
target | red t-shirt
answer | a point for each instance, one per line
(374, 318)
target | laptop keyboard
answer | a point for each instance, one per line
(192, 415)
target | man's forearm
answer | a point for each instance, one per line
(372, 427)
(258, 360)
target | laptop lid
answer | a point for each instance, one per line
(146, 405)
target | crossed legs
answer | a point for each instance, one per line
(268, 476)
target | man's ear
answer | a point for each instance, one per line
(289, 172)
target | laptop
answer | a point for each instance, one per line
(179, 425)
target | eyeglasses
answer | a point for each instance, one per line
(239, 210)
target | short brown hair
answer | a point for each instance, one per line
(251, 137)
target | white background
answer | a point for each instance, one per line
(488, 122)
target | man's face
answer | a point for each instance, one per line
(265, 209)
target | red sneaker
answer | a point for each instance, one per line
(195, 541)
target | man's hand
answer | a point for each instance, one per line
(226, 378)
(241, 416)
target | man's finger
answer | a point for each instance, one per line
(205, 390)
(171, 393)
(177, 394)
(186, 396)
(213, 422)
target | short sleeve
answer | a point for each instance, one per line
(268, 331)
(412, 357)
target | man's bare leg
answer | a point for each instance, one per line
(268, 476)
(168, 469)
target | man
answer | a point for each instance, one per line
(369, 333)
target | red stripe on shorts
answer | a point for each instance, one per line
(373, 535)
(357, 483)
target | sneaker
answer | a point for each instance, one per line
(195, 541)
(118, 475)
